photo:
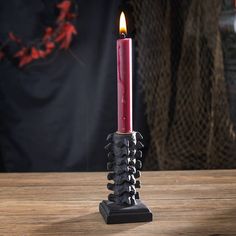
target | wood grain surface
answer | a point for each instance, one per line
(192, 203)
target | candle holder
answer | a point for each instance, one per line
(124, 205)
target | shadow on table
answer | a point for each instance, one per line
(173, 223)
(91, 224)
(222, 223)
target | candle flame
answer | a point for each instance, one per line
(123, 28)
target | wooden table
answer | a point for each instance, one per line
(183, 203)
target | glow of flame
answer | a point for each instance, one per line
(123, 28)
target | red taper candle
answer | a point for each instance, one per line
(124, 80)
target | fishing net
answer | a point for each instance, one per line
(181, 68)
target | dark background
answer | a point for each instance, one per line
(57, 112)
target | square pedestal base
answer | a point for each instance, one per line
(116, 214)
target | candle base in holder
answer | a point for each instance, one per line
(123, 205)
(117, 214)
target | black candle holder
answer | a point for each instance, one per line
(123, 205)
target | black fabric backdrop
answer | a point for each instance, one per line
(57, 112)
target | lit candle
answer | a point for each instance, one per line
(124, 79)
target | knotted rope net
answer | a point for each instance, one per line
(181, 67)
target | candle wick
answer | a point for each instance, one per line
(123, 35)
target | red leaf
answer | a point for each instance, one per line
(65, 5)
(48, 51)
(64, 9)
(70, 16)
(34, 53)
(2, 55)
(24, 56)
(60, 37)
(25, 60)
(21, 53)
(69, 30)
(49, 30)
(42, 53)
(61, 16)
(13, 38)
(50, 45)
(48, 33)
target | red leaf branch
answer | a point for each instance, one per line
(65, 35)
(13, 38)
(62, 35)
(64, 8)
